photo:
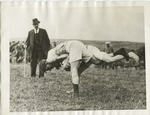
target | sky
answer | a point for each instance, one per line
(68, 21)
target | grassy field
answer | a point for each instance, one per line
(100, 89)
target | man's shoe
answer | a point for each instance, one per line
(40, 76)
(33, 75)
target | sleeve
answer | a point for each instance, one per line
(47, 39)
(51, 57)
(65, 63)
(28, 40)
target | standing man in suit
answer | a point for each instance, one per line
(38, 44)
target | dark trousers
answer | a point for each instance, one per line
(37, 56)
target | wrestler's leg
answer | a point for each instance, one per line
(118, 55)
(95, 51)
(75, 76)
(82, 67)
(99, 54)
(95, 60)
(107, 58)
(132, 55)
(122, 52)
(111, 54)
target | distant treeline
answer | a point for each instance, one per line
(17, 52)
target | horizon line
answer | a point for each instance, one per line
(23, 39)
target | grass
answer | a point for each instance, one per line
(100, 89)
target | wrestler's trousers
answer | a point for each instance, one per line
(75, 75)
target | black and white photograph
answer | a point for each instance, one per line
(75, 57)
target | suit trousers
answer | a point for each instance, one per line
(37, 56)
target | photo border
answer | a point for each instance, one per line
(5, 67)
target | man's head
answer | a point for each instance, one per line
(107, 44)
(49, 66)
(36, 23)
(44, 66)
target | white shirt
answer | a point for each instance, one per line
(36, 31)
(51, 55)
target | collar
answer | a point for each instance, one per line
(36, 30)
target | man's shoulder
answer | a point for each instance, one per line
(31, 31)
(41, 29)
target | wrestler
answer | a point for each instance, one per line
(80, 57)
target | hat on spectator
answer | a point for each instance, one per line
(35, 21)
(107, 42)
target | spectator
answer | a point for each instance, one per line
(108, 48)
(38, 44)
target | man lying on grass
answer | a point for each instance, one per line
(79, 57)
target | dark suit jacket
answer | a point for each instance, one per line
(44, 41)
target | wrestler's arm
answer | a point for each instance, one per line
(55, 62)
(52, 56)
(63, 56)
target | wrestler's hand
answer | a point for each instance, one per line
(65, 64)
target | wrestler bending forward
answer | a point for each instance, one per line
(80, 57)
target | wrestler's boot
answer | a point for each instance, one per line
(76, 90)
(75, 82)
(123, 52)
(75, 77)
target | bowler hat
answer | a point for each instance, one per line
(107, 42)
(35, 21)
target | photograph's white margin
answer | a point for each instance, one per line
(5, 67)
